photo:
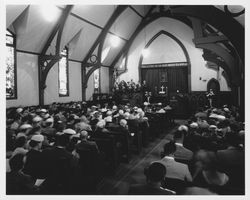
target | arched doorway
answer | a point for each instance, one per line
(214, 85)
(168, 76)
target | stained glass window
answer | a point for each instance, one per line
(97, 81)
(11, 87)
(63, 74)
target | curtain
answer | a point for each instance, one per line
(175, 78)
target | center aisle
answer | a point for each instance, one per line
(132, 172)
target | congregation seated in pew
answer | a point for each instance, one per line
(69, 136)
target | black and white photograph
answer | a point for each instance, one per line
(123, 99)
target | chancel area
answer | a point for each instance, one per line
(125, 99)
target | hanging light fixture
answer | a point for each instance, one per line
(49, 12)
(145, 51)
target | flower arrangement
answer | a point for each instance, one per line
(126, 87)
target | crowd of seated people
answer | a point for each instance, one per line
(67, 148)
(206, 155)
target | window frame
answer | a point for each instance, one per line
(97, 90)
(67, 72)
(15, 64)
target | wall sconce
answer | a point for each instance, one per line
(204, 80)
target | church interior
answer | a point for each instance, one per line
(124, 99)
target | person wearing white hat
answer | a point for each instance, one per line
(36, 121)
(46, 116)
(126, 115)
(25, 128)
(19, 110)
(108, 119)
(43, 113)
(17, 121)
(21, 134)
(82, 126)
(183, 128)
(212, 127)
(193, 125)
(221, 117)
(69, 131)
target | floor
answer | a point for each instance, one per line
(132, 172)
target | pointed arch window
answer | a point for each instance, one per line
(97, 81)
(63, 73)
(11, 82)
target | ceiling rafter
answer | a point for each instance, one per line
(211, 45)
(200, 12)
(105, 30)
(226, 44)
(217, 18)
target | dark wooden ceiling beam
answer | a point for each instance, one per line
(209, 56)
(210, 39)
(220, 21)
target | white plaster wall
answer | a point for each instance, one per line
(27, 81)
(104, 78)
(51, 93)
(164, 50)
(185, 35)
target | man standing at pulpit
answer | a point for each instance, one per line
(210, 97)
(144, 89)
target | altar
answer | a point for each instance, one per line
(161, 95)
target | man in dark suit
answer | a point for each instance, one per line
(59, 166)
(16, 181)
(90, 165)
(122, 135)
(155, 174)
(33, 163)
(181, 153)
(232, 161)
(85, 144)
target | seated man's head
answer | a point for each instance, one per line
(123, 122)
(169, 148)
(84, 134)
(155, 172)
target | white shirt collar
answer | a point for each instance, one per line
(179, 144)
(169, 157)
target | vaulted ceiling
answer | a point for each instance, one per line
(85, 23)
